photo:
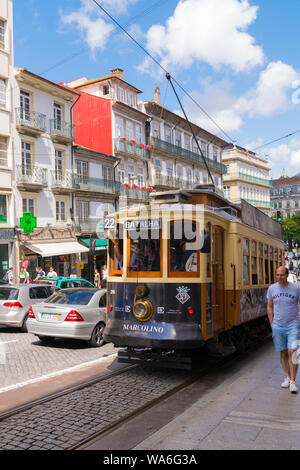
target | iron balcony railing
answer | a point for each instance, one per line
(255, 202)
(87, 224)
(184, 153)
(250, 178)
(161, 179)
(62, 179)
(96, 184)
(31, 118)
(61, 128)
(139, 150)
(32, 174)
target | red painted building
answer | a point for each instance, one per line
(93, 123)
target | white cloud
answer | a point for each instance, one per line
(285, 156)
(212, 31)
(272, 94)
(93, 24)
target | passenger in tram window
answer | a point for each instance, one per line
(206, 242)
(118, 255)
(174, 265)
(152, 255)
(137, 256)
(283, 302)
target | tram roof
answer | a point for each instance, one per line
(213, 200)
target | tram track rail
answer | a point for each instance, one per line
(84, 413)
(66, 391)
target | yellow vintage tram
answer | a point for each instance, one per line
(188, 270)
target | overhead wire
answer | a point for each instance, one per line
(276, 140)
(162, 67)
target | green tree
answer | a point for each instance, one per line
(291, 228)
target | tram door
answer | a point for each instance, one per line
(218, 304)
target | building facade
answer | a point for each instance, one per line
(247, 177)
(43, 174)
(7, 206)
(285, 195)
(154, 146)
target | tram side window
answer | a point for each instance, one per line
(260, 263)
(206, 247)
(116, 251)
(276, 253)
(144, 254)
(246, 277)
(271, 265)
(266, 256)
(183, 249)
(254, 263)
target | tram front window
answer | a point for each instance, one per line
(144, 255)
(183, 251)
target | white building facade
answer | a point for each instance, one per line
(43, 173)
(247, 177)
(7, 206)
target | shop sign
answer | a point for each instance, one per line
(81, 265)
(4, 265)
(7, 234)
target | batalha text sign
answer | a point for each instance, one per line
(142, 224)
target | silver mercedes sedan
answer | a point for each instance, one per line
(77, 313)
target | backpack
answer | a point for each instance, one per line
(5, 277)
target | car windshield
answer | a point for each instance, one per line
(8, 293)
(74, 298)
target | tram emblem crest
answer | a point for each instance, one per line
(183, 295)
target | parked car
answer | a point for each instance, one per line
(67, 282)
(15, 301)
(292, 278)
(70, 313)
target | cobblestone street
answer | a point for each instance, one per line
(23, 357)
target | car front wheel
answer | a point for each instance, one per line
(97, 336)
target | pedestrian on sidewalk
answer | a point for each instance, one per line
(23, 276)
(283, 299)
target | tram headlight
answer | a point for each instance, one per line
(143, 310)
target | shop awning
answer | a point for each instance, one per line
(100, 244)
(57, 249)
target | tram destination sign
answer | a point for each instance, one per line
(142, 224)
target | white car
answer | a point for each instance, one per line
(292, 278)
(70, 313)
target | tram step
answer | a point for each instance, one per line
(174, 362)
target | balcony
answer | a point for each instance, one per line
(251, 179)
(88, 225)
(168, 181)
(61, 132)
(164, 146)
(125, 147)
(62, 182)
(30, 123)
(31, 178)
(265, 204)
(86, 183)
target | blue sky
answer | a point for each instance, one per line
(238, 58)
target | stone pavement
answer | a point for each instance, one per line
(246, 410)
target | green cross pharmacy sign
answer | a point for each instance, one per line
(28, 222)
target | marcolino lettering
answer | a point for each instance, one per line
(143, 328)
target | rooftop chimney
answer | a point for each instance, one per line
(157, 94)
(117, 72)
